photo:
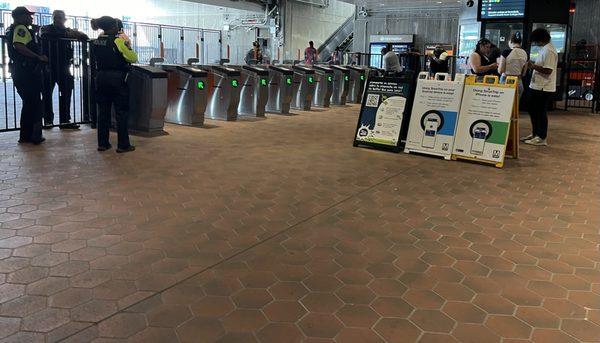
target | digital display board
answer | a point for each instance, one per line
(501, 9)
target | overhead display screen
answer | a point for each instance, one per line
(502, 9)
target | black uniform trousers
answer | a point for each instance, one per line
(538, 112)
(111, 89)
(62, 77)
(28, 83)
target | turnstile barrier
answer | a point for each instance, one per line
(255, 91)
(224, 88)
(147, 98)
(303, 89)
(281, 80)
(358, 77)
(324, 86)
(186, 94)
(341, 83)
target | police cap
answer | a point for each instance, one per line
(103, 23)
(21, 10)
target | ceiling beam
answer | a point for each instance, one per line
(247, 5)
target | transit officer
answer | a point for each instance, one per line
(56, 45)
(26, 64)
(113, 57)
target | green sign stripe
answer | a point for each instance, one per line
(499, 132)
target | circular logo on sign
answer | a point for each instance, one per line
(481, 126)
(433, 115)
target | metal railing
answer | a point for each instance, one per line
(68, 71)
(407, 62)
(174, 43)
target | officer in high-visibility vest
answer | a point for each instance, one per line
(26, 63)
(113, 56)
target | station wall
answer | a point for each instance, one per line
(306, 22)
(428, 26)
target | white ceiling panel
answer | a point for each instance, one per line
(412, 4)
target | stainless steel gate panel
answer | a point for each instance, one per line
(223, 92)
(323, 87)
(304, 87)
(358, 77)
(280, 89)
(186, 95)
(254, 94)
(341, 83)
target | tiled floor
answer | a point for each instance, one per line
(278, 230)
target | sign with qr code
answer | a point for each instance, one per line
(384, 113)
(434, 115)
(372, 100)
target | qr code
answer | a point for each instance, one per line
(372, 100)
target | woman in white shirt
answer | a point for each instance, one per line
(513, 61)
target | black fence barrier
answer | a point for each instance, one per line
(175, 43)
(412, 62)
(65, 87)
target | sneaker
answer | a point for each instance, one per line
(69, 126)
(536, 141)
(104, 148)
(128, 149)
(526, 138)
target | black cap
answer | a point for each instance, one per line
(103, 23)
(21, 10)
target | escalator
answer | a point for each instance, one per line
(341, 38)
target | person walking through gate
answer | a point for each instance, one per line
(26, 62)
(60, 52)
(113, 58)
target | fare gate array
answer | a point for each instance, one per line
(186, 94)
